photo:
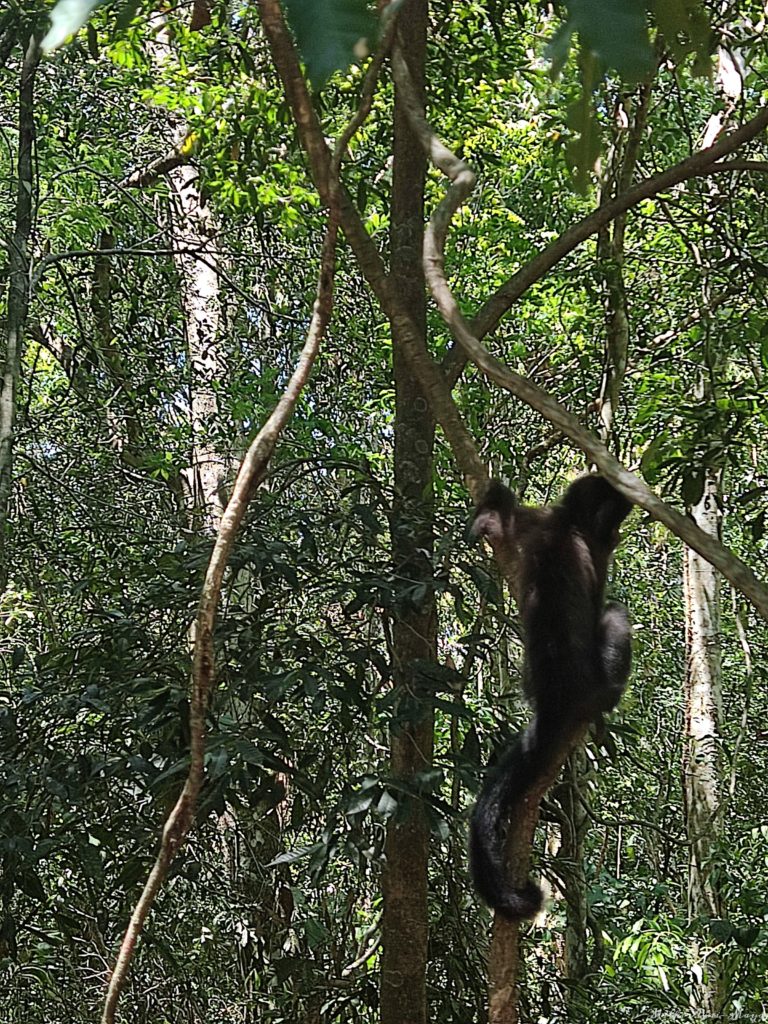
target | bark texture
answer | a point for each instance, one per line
(197, 261)
(18, 291)
(405, 918)
(701, 767)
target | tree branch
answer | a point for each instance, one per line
(250, 474)
(701, 163)
(462, 180)
(154, 170)
(431, 378)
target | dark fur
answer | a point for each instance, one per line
(577, 652)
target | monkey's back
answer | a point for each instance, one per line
(559, 596)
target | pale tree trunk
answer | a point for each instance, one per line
(18, 292)
(197, 261)
(701, 764)
(194, 234)
(404, 920)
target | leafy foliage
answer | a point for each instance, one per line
(331, 33)
(273, 911)
(615, 32)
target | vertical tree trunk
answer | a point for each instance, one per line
(701, 767)
(622, 162)
(197, 258)
(121, 419)
(197, 262)
(571, 856)
(404, 923)
(18, 291)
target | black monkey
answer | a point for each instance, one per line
(577, 653)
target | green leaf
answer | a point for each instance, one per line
(470, 748)
(616, 32)
(331, 34)
(764, 347)
(30, 884)
(746, 937)
(487, 586)
(721, 930)
(583, 151)
(757, 527)
(652, 457)
(387, 805)
(301, 853)
(685, 27)
(559, 48)
(360, 802)
(67, 17)
(126, 12)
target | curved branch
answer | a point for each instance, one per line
(701, 163)
(251, 472)
(431, 378)
(462, 179)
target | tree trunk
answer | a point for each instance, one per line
(621, 165)
(701, 767)
(404, 922)
(197, 259)
(197, 262)
(18, 292)
(573, 881)
(121, 417)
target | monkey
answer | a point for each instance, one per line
(577, 654)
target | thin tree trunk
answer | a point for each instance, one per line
(573, 880)
(701, 765)
(18, 291)
(120, 417)
(197, 261)
(404, 922)
(610, 250)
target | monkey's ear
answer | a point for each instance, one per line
(494, 516)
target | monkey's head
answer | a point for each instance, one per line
(495, 513)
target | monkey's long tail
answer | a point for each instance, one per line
(525, 772)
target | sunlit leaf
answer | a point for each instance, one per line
(331, 34)
(693, 486)
(67, 17)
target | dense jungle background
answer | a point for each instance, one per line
(162, 226)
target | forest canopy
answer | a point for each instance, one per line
(283, 287)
